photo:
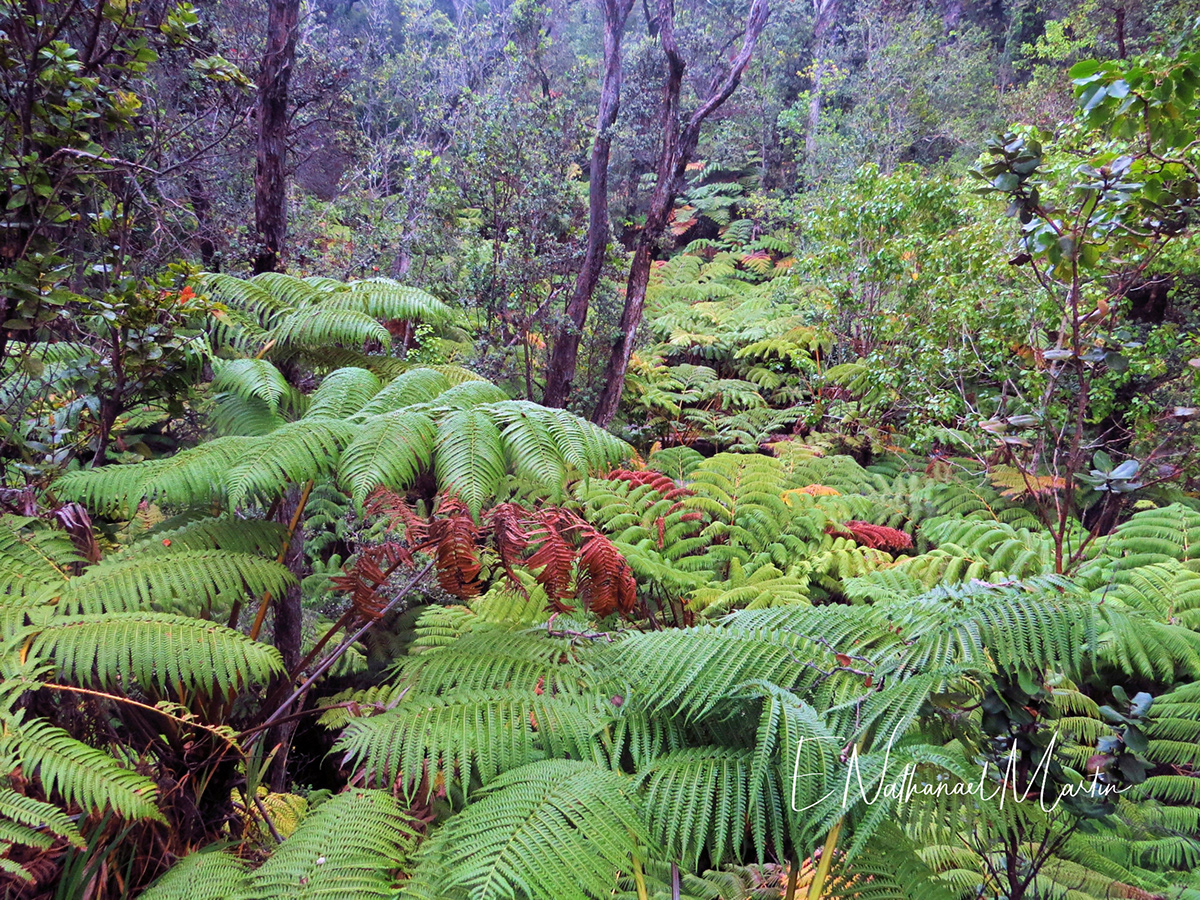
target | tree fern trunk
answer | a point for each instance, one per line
(289, 616)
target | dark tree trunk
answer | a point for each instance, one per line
(201, 207)
(270, 184)
(561, 372)
(678, 147)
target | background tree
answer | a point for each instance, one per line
(679, 142)
(560, 372)
(270, 173)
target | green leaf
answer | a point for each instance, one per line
(470, 460)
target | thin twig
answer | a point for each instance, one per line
(337, 654)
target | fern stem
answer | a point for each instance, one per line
(267, 818)
(292, 526)
(337, 626)
(793, 877)
(146, 706)
(818, 882)
(639, 878)
(336, 655)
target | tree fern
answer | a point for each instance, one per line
(481, 436)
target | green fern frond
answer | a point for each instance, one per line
(257, 379)
(406, 389)
(704, 801)
(557, 828)
(292, 454)
(253, 537)
(39, 817)
(204, 875)
(493, 659)
(189, 478)
(467, 395)
(1155, 536)
(470, 461)
(383, 298)
(81, 774)
(691, 670)
(529, 443)
(317, 326)
(675, 462)
(33, 557)
(892, 869)
(249, 416)
(388, 450)
(350, 846)
(468, 735)
(342, 393)
(345, 706)
(154, 650)
(250, 296)
(130, 582)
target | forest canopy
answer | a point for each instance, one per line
(587, 449)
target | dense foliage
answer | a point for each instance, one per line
(881, 580)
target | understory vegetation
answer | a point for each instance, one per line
(795, 497)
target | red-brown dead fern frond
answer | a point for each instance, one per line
(508, 524)
(555, 557)
(363, 578)
(606, 584)
(657, 480)
(879, 537)
(454, 537)
(393, 507)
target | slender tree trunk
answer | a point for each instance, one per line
(561, 372)
(270, 183)
(288, 630)
(678, 147)
(825, 11)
